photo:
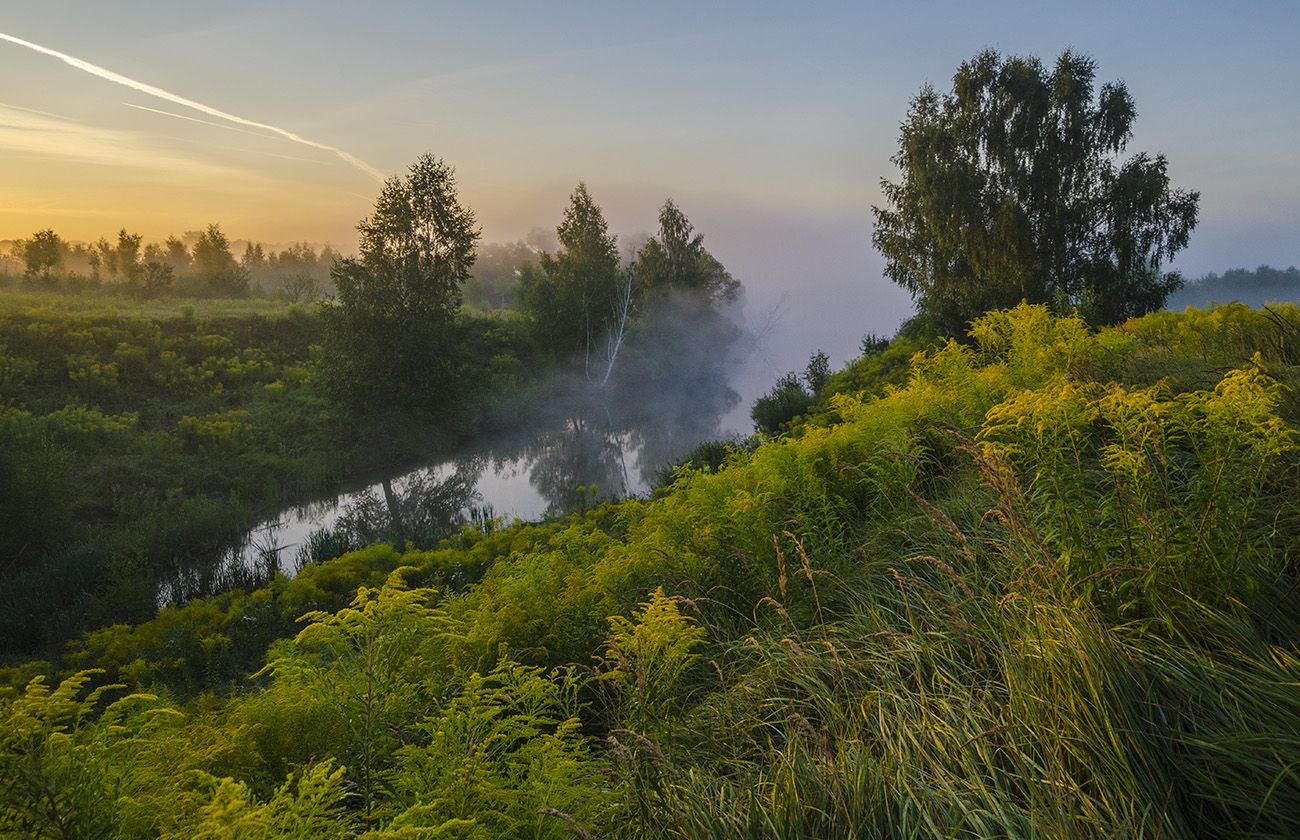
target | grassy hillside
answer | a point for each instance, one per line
(1037, 584)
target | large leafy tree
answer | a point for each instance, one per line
(214, 266)
(127, 255)
(574, 297)
(675, 260)
(683, 289)
(1013, 189)
(392, 328)
(417, 247)
(43, 253)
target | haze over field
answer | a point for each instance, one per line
(771, 128)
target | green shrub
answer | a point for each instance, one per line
(773, 412)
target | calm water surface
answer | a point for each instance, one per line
(583, 448)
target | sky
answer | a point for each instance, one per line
(770, 124)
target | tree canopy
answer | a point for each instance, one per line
(214, 264)
(416, 249)
(42, 253)
(392, 326)
(1012, 189)
(676, 261)
(572, 296)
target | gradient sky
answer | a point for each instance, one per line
(771, 124)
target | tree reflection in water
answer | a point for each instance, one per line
(577, 444)
(585, 444)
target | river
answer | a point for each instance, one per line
(582, 446)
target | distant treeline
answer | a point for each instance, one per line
(204, 263)
(199, 263)
(1253, 288)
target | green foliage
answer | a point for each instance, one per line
(137, 444)
(873, 345)
(417, 246)
(504, 758)
(818, 372)
(1038, 585)
(215, 270)
(76, 765)
(1150, 499)
(128, 269)
(309, 805)
(1182, 344)
(365, 662)
(676, 262)
(43, 253)
(709, 456)
(1011, 191)
(212, 643)
(788, 399)
(665, 308)
(981, 713)
(125, 258)
(646, 658)
(72, 763)
(127, 429)
(156, 278)
(391, 331)
(572, 298)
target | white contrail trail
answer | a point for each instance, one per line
(118, 78)
(175, 115)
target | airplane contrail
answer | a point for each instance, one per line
(118, 78)
(190, 119)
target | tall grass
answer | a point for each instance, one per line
(1036, 590)
(1079, 625)
(956, 694)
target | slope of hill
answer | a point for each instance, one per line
(1040, 585)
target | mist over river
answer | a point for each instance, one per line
(572, 444)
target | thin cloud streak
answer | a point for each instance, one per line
(192, 119)
(151, 90)
(244, 150)
(37, 134)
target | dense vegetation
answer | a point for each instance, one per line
(142, 434)
(198, 263)
(1037, 583)
(1012, 188)
(135, 449)
(132, 444)
(791, 396)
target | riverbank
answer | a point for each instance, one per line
(138, 440)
